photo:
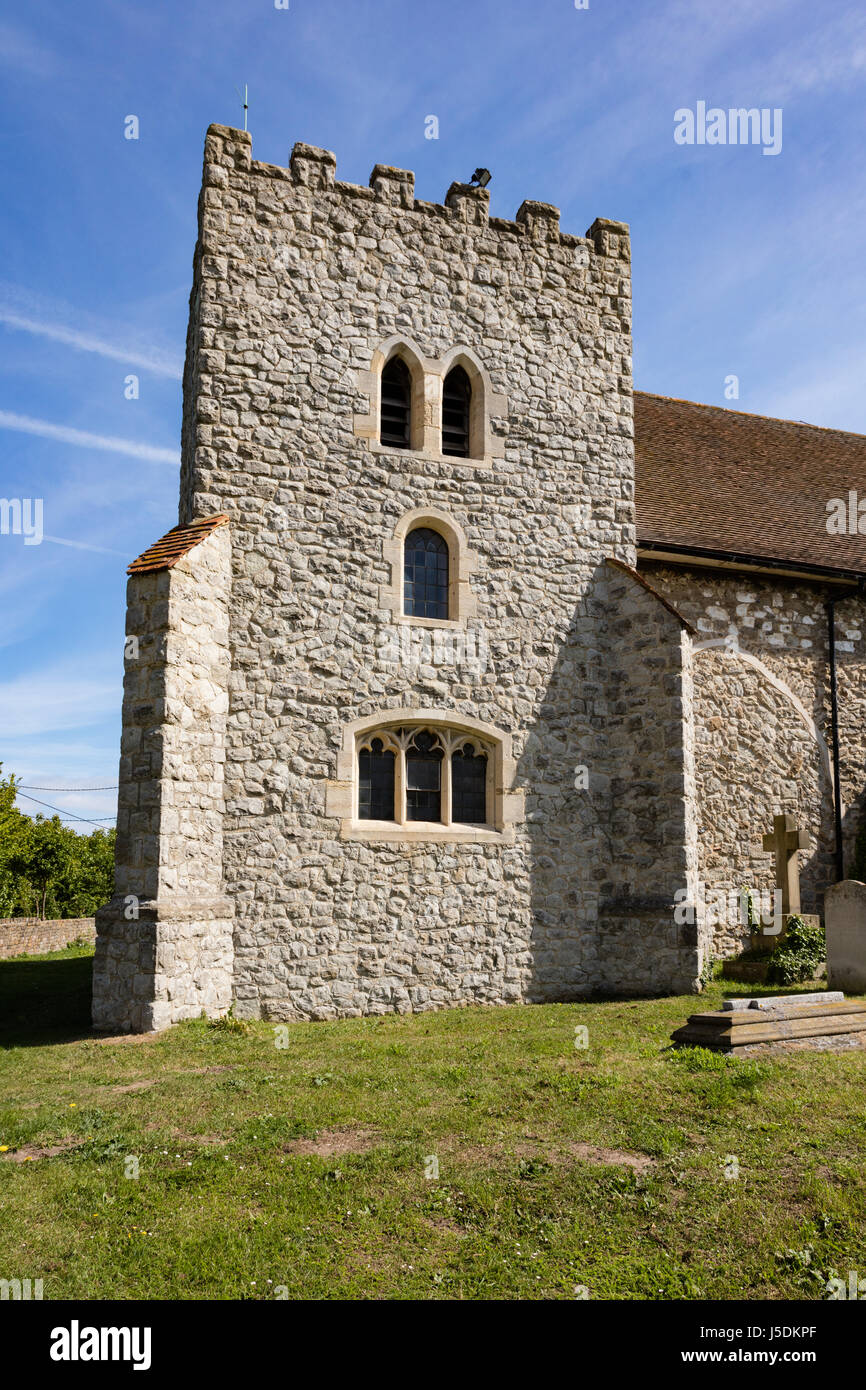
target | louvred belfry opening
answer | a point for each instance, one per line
(395, 425)
(456, 396)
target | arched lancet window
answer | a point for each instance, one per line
(469, 786)
(425, 574)
(456, 400)
(396, 410)
(376, 765)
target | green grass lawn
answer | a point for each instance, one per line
(305, 1170)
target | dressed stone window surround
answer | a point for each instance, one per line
(396, 731)
(462, 563)
(428, 375)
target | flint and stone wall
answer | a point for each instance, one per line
(762, 726)
(299, 280)
(164, 943)
(649, 861)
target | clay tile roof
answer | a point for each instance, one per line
(716, 480)
(168, 550)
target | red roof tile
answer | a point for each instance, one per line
(716, 480)
(168, 550)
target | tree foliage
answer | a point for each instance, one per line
(46, 869)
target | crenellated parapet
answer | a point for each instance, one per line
(228, 152)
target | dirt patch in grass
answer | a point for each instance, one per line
(30, 1152)
(132, 1086)
(202, 1071)
(556, 1154)
(129, 1039)
(330, 1143)
(590, 1153)
(183, 1136)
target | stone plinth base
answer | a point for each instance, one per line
(732, 1029)
(173, 961)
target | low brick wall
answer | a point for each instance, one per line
(29, 937)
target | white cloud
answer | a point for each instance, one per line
(85, 545)
(57, 698)
(160, 363)
(65, 435)
(830, 395)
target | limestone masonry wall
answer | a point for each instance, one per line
(650, 839)
(301, 283)
(164, 941)
(266, 647)
(762, 724)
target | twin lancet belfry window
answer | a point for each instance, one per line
(423, 774)
(395, 424)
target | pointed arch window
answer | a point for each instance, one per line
(456, 403)
(426, 574)
(396, 409)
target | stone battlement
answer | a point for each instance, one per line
(465, 206)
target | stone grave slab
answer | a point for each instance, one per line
(787, 1019)
(768, 1002)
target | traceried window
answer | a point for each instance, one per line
(422, 774)
(456, 398)
(376, 781)
(396, 411)
(424, 777)
(468, 786)
(425, 574)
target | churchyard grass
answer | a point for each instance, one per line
(309, 1170)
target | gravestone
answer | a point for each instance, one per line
(845, 925)
(785, 841)
(768, 1002)
(779, 1020)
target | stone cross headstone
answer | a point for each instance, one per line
(786, 839)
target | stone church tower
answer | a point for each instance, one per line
(403, 727)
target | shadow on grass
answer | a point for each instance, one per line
(45, 999)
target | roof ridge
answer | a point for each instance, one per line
(751, 414)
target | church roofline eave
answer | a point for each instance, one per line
(736, 560)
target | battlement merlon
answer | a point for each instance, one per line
(315, 169)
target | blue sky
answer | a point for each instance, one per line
(744, 264)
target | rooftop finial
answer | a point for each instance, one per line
(246, 102)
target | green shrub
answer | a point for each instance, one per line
(798, 956)
(227, 1023)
